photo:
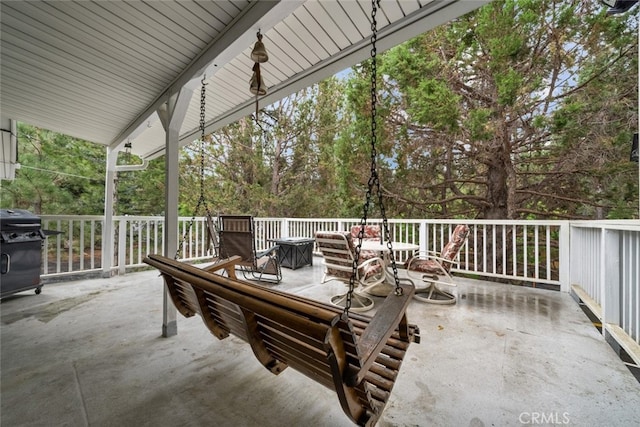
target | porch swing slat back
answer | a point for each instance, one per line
(355, 355)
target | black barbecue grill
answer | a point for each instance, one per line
(21, 251)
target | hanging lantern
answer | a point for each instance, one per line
(259, 53)
(257, 86)
(127, 149)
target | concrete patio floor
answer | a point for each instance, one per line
(90, 353)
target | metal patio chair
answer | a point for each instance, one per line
(338, 252)
(434, 268)
(237, 237)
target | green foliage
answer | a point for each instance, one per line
(509, 84)
(477, 122)
(433, 103)
(58, 174)
(285, 165)
(521, 109)
(142, 192)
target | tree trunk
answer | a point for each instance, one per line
(497, 194)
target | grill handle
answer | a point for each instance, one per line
(5, 265)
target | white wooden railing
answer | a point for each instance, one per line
(597, 261)
(605, 275)
(522, 251)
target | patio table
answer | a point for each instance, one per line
(383, 289)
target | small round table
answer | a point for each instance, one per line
(385, 288)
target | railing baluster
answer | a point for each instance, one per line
(484, 248)
(81, 250)
(536, 252)
(494, 256)
(58, 249)
(548, 248)
(525, 252)
(504, 249)
(514, 248)
(92, 247)
(70, 243)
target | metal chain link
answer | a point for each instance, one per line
(201, 199)
(374, 180)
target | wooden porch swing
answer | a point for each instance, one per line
(355, 355)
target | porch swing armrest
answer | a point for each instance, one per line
(391, 315)
(227, 264)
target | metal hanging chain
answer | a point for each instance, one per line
(374, 180)
(201, 200)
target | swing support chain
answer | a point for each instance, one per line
(374, 180)
(201, 200)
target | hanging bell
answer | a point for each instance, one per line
(256, 85)
(259, 53)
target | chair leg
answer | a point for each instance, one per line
(433, 295)
(257, 272)
(359, 303)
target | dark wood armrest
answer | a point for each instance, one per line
(380, 328)
(228, 264)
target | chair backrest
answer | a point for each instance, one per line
(371, 232)
(212, 232)
(337, 251)
(237, 238)
(451, 249)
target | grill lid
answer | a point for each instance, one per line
(19, 221)
(18, 218)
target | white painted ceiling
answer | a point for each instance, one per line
(99, 70)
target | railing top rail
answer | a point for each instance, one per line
(629, 224)
(623, 225)
(144, 218)
(432, 221)
(71, 217)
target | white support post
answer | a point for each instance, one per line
(172, 115)
(423, 237)
(9, 150)
(610, 275)
(284, 228)
(107, 226)
(564, 257)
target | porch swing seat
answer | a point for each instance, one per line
(355, 355)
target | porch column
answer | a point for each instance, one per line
(107, 226)
(564, 244)
(171, 115)
(9, 149)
